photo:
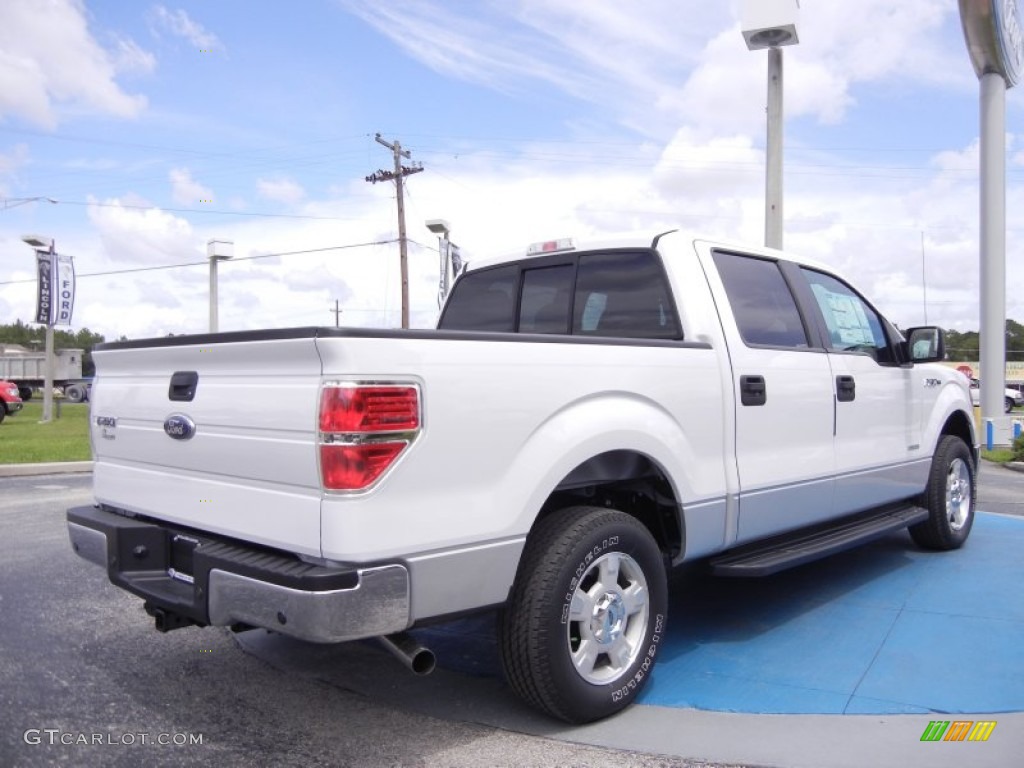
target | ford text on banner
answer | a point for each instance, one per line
(64, 281)
(44, 299)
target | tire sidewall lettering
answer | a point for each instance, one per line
(627, 690)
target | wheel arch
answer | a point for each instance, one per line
(631, 482)
(625, 451)
(959, 424)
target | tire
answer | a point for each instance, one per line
(949, 497)
(25, 393)
(75, 393)
(591, 586)
(1008, 404)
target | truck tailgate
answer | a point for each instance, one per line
(249, 467)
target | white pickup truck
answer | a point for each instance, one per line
(582, 420)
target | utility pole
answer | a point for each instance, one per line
(337, 314)
(397, 175)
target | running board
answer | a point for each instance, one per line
(764, 558)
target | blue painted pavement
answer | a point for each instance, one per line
(883, 629)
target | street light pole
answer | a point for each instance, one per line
(216, 250)
(772, 24)
(994, 33)
(442, 229)
(773, 172)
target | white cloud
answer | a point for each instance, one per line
(281, 190)
(686, 58)
(133, 233)
(187, 191)
(879, 39)
(716, 170)
(75, 70)
(179, 23)
(637, 49)
(129, 57)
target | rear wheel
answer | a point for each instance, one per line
(75, 393)
(581, 630)
(1008, 404)
(949, 497)
(25, 393)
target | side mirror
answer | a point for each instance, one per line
(926, 344)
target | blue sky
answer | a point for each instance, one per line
(159, 126)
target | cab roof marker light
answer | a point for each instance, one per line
(551, 246)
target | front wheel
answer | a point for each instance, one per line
(1008, 404)
(581, 629)
(949, 497)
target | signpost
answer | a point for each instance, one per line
(55, 302)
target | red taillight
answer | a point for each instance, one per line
(354, 467)
(363, 430)
(369, 409)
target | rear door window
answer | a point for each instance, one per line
(765, 310)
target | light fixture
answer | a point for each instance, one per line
(770, 23)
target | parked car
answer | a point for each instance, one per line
(1011, 397)
(10, 399)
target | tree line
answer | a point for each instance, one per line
(966, 346)
(34, 337)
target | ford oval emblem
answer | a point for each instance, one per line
(179, 426)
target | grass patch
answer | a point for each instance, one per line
(997, 455)
(23, 440)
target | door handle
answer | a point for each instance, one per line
(846, 389)
(183, 386)
(753, 390)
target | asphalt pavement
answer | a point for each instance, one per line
(78, 657)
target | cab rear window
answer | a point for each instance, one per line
(483, 301)
(617, 294)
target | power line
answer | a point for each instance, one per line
(200, 210)
(205, 261)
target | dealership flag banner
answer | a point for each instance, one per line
(56, 283)
(44, 299)
(64, 280)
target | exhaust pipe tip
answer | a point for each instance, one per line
(413, 655)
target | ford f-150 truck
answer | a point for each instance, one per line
(582, 420)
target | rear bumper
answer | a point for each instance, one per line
(218, 582)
